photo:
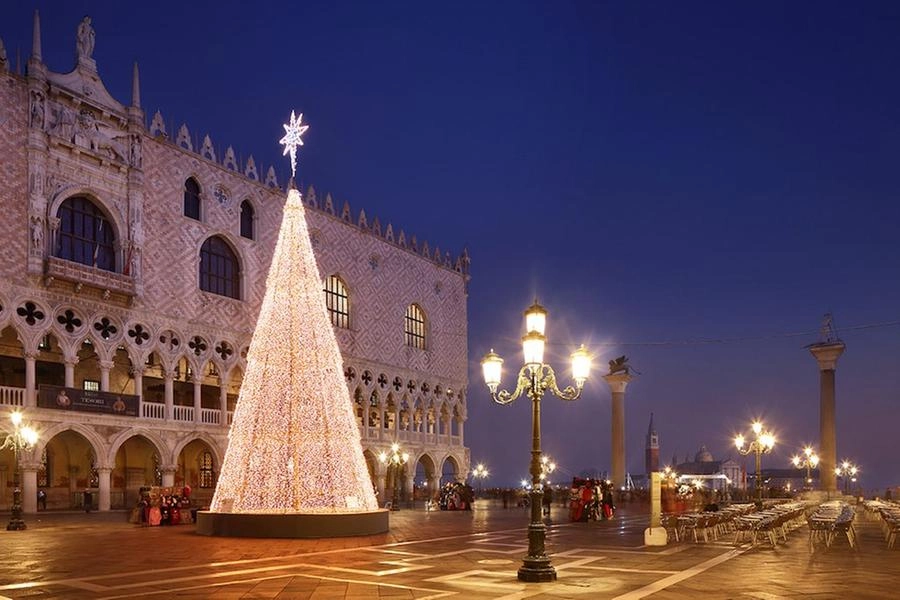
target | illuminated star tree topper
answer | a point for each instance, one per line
(291, 139)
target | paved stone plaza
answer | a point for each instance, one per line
(428, 555)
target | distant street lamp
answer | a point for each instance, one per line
(847, 471)
(394, 461)
(23, 437)
(547, 467)
(478, 473)
(535, 378)
(763, 443)
(809, 460)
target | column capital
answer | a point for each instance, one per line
(106, 364)
(618, 381)
(827, 354)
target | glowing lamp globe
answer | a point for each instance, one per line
(739, 442)
(533, 349)
(16, 418)
(535, 318)
(491, 367)
(581, 365)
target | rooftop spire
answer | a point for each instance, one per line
(36, 37)
(135, 87)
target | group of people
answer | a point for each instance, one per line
(456, 496)
(591, 500)
(162, 506)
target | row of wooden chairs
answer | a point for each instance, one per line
(770, 523)
(832, 520)
(889, 515)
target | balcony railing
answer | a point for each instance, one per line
(12, 396)
(67, 270)
(153, 410)
(184, 413)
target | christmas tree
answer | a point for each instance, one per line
(294, 445)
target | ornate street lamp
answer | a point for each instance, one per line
(534, 379)
(847, 471)
(809, 460)
(763, 443)
(479, 473)
(395, 459)
(22, 438)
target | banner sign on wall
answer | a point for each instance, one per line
(63, 398)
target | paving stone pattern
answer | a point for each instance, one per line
(428, 555)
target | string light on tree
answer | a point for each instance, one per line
(294, 445)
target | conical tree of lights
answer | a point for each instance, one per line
(294, 445)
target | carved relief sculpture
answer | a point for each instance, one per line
(37, 235)
(37, 110)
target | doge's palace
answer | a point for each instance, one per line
(133, 267)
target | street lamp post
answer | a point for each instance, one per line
(809, 460)
(479, 473)
(763, 443)
(394, 461)
(535, 378)
(23, 437)
(847, 471)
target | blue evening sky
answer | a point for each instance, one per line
(653, 171)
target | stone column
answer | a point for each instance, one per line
(168, 475)
(29, 488)
(198, 396)
(827, 354)
(103, 502)
(30, 386)
(169, 391)
(139, 390)
(70, 372)
(105, 367)
(223, 401)
(617, 383)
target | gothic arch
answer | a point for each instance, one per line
(151, 436)
(97, 443)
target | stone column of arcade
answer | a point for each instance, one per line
(168, 475)
(197, 380)
(103, 475)
(70, 372)
(827, 354)
(169, 391)
(223, 401)
(105, 367)
(617, 383)
(30, 397)
(29, 487)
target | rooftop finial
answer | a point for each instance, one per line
(36, 37)
(135, 87)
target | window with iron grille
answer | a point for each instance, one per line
(219, 268)
(91, 385)
(414, 327)
(206, 470)
(85, 235)
(338, 302)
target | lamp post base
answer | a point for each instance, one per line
(537, 570)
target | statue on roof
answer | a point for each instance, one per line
(85, 40)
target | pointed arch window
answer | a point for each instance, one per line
(337, 300)
(85, 234)
(247, 216)
(206, 470)
(219, 272)
(414, 327)
(192, 198)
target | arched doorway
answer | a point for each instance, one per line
(426, 483)
(138, 464)
(68, 468)
(198, 469)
